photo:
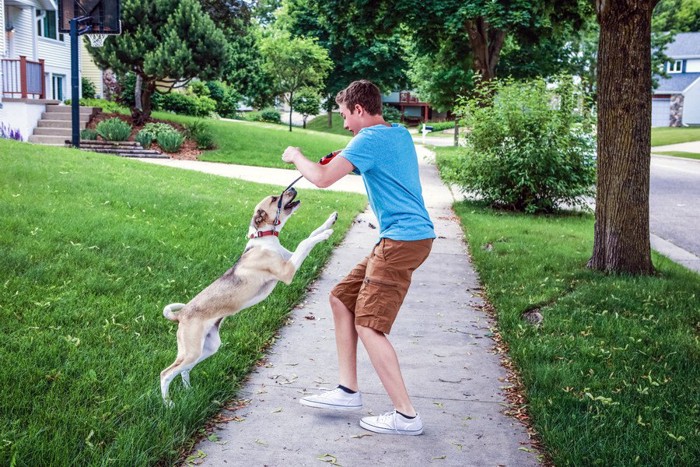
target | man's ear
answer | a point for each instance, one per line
(359, 109)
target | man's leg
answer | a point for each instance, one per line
(346, 343)
(386, 364)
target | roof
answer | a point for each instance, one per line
(684, 45)
(676, 83)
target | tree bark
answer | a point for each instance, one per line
(141, 115)
(486, 44)
(621, 235)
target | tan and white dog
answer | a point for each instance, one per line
(251, 279)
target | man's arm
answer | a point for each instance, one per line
(322, 176)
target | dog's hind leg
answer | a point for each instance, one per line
(190, 341)
(212, 342)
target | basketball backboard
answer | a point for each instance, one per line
(102, 15)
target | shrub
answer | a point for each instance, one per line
(156, 129)
(270, 114)
(88, 88)
(391, 114)
(440, 126)
(170, 141)
(88, 134)
(226, 98)
(106, 106)
(145, 138)
(114, 129)
(199, 132)
(185, 104)
(526, 148)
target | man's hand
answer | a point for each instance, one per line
(290, 154)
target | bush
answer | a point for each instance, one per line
(114, 129)
(184, 104)
(200, 133)
(88, 134)
(391, 114)
(226, 98)
(440, 126)
(106, 106)
(170, 141)
(145, 138)
(156, 129)
(88, 88)
(270, 114)
(526, 149)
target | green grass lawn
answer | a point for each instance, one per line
(92, 248)
(261, 144)
(612, 375)
(320, 123)
(662, 136)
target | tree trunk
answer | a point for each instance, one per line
(291, 109)
(621, 234)
(141, 115)
(486, 44)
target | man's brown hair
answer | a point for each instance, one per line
(364, 93)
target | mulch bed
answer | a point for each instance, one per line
(188, 151)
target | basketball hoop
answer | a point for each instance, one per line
(97, 40)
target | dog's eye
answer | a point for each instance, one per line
(274, 199)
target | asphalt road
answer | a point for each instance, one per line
(674, 201)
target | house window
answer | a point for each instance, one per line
(675, 66)
(47, 24)
(57, 87)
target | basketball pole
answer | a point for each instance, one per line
(75, 83)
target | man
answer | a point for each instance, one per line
(366, 302)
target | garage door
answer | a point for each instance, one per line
(660, 112)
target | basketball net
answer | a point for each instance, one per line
(97, 40)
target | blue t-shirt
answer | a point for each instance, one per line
(387, 160)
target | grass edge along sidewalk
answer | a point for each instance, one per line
(93, 247)
(612, 374)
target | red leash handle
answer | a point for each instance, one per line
(329, 157)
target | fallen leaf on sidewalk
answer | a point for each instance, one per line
(360, 436)
(331, 459)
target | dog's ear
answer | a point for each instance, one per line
(260, 217)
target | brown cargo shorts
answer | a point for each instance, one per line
(375, 289)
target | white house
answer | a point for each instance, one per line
(676, 102)
(35, 59)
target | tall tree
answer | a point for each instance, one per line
(358, 48)
(163, 40)
(294, 63)
(621, 234)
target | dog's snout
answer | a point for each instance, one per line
(291, 191)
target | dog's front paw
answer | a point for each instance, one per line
(330, 221)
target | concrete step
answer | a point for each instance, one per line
(67, 109)
(64, 116)
(49, 140)
(67, 132)
(54, 124)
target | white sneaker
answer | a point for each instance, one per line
(335, 399)
(393, 423)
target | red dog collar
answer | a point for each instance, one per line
(265, 233)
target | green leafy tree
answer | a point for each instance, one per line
(294, 63)
(358, 49)
(677, 16)
(169, 41)
(307, 102)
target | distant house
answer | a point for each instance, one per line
(413, 110)
(34, 62)
(676, 101)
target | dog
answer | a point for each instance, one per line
(252, 278)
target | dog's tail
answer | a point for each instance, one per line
(169, 310)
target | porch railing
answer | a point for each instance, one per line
(23, 78)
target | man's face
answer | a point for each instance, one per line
(352, 120)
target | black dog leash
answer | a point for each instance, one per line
(323, 161)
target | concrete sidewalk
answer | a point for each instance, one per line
(442, 339)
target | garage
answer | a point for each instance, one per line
(660, 111)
